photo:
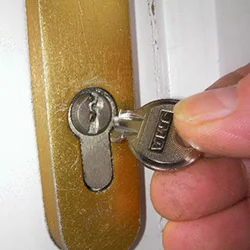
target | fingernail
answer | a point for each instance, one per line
(207, 106)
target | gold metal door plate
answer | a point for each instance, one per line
(75, 44)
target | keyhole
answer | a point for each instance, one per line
(94, 110)
(92, 107)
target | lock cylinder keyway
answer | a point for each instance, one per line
(90, 118)
(149, 130)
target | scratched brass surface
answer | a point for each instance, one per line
(75, 44)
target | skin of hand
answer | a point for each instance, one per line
(207, 204)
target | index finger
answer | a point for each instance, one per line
(231, 78)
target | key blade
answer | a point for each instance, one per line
(126, 124)
(129, 115)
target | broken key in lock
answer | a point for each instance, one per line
(149, 130)
(153, 138)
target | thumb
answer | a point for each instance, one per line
(217, 121)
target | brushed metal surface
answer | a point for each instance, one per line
(74, 45)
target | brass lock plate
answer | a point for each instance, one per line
(76, 44)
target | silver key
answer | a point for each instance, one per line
(152, 136)
(90, 119)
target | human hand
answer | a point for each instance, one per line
(208, 204)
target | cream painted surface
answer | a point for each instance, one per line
(180, 48)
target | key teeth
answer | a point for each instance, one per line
(121, 135)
